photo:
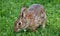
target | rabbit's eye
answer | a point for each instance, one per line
(19, 23)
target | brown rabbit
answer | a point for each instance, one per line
(31, 18)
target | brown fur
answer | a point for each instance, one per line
(31, 18)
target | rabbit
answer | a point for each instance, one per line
(31, 18)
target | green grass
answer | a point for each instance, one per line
(9, 12)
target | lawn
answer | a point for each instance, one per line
(9, 12)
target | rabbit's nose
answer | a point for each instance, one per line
(15, 29)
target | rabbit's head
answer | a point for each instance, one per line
(20, 23)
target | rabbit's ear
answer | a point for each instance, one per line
(23, 11)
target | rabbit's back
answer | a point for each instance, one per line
(36, 14)
(35, 8)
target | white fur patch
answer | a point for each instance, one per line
(24, 30)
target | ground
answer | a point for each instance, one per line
(9, 12)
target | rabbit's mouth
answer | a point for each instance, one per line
(17, 30)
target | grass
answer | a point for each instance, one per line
(9, 12)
